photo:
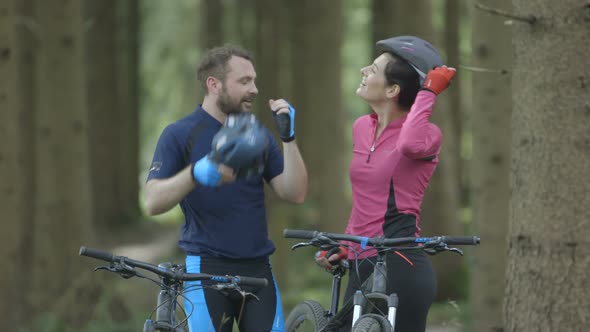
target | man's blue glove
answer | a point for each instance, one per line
(206, 173)
(285, 121)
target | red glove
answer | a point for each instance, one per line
(340, 252)
(439, 78)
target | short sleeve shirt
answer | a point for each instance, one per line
(225, 221)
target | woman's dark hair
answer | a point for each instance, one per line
(398, 71)
(214, 62)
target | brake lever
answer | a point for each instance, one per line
(300, 244)
(322, 242)
(225, 289)
(442, 247)
(456, 250)
(123, 270)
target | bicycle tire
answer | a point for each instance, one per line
(372, 323)
(149, 326)
(309, 311)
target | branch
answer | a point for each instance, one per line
(485, 70)
(530, 19)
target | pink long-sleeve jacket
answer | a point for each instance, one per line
(390, 175)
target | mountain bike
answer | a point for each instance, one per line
(171, 282)
(372, 308)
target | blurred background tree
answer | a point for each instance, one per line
(86, 88)
(490, 163)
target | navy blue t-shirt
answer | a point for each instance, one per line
(225, 221)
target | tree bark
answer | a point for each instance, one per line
(211, 23)
(490, 164)
(128, 33)
(414, 18)
(384, 24)
(271, 20)
(443, 200)
(548, 255)
(63, 204)
(104, 110)
(17, 157)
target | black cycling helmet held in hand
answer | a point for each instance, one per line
(241, 144)
(419, 53)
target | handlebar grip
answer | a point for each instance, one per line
(96, 253)
(299, 234)
(461, 240)
(249, 281)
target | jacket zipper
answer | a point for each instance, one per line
(374, 142)
(370, 152)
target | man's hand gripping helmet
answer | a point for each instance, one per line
(242, 144)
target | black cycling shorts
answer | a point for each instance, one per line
(216, 312)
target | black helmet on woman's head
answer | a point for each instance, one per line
(419, 53)
(241, 144)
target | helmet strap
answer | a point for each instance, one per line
(420, 73)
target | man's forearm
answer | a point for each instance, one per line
(294, 174)
(162, 195)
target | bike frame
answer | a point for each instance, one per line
(377, 296)
(166, 302)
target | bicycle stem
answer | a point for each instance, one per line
(379, 275)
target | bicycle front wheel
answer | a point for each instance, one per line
(372, 323)
(308, 316)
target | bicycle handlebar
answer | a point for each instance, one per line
(461, 240)
(180, 276)
(380, 241)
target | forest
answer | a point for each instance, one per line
(88, 86)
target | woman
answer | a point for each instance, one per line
(395, 152)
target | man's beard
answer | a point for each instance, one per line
(228, 106)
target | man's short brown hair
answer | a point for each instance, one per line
(215, 60)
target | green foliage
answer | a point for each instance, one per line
(47, 322)
(168, 61)
(306, 281)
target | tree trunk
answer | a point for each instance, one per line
(63, 204)
(128, 27)
(17, 158)
(271, 20)
(414, 18)
(111, 41)
(241, 22)
(384, 24)
(442, 202)
(317, 98)
(103, 109)
(454, 10)
(211, 23)
(548, 255)
(490, 164)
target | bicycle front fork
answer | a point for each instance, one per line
(360, 301)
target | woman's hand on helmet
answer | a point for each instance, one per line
(284, 115)
(439, 78)
(330, 258)
(210, 174)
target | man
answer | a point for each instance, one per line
(225, 230)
